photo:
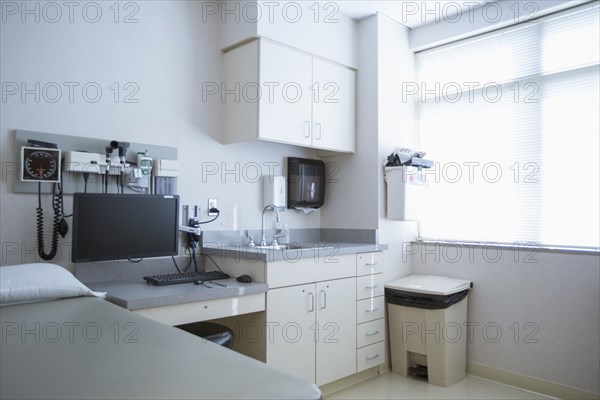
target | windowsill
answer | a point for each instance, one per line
(513, 246)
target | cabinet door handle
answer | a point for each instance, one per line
(373, 357)
(372, 310)
(372, 287)
(306, 129)
(312, 302)
(371, 264)
(319, 133)
(324, 300)
(372, 333)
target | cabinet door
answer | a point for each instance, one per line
(240, 70)
(290, 330)
(285, 103)
(334, 89)
(336, 320)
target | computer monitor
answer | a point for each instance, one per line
(124, 226)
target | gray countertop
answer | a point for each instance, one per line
(267, 255)
(135, 295)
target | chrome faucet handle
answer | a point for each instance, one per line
(276, 238)
(251, 238)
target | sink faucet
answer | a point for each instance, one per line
(263, 240)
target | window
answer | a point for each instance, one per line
(511, 120)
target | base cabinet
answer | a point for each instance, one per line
(324, 317)
(312, 330)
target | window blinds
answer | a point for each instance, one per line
(511, 119)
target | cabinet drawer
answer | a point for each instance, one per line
(370, 356)
(297, 271)
(370, 309)
(369, 286)
(370, 332)
(368, 263)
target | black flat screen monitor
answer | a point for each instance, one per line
(124, 226)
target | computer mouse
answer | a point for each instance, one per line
(244, 279)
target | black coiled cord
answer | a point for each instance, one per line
(56, 222)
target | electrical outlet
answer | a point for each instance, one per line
(212, 203)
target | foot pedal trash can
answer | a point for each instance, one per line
(427, 317)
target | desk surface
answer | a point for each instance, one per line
(135, 295)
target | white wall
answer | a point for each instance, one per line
(169, 53)
(384, 123)
(352, 198)
(396, 65)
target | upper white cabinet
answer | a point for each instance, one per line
(285, 107)
(333, 106)
(275, 93)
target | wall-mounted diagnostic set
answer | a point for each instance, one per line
(41, 162)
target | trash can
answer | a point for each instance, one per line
(216, 333)
(427, 317)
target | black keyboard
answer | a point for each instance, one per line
(185, 277)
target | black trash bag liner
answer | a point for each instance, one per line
(423, 300)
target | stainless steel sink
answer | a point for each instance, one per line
(289, 246)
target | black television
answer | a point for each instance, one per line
(124, 226)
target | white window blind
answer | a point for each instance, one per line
(511, 119)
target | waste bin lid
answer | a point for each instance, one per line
(430, 284)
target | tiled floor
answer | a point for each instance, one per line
(394, 386)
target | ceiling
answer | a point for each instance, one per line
(410, 13)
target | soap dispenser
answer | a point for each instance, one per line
(274, 191)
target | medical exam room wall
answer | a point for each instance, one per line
(167, 54)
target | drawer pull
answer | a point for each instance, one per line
(372, 310)
(372, 333)
(372, 287)
(373, 357)
(371, 264)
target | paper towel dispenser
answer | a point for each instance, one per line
(306, 183)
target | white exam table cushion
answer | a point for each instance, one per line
(88, 348)
(39, 282)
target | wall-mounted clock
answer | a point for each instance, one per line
(40, 164)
